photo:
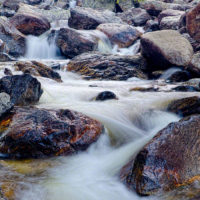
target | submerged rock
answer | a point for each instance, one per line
(88, 18)
(121, 34)
(23, 89)
(37, 69)
(186, 106)
(14, 40)
(106, 95)
(170, 160)
(34, 133)
(165, 48)
(108, 67)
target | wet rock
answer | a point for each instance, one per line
(152, 25)
(73, 42)
(106, 95)
(11, 4)
(5, 103)
(192, 22)
(194, 65)
(23, 89)
(171, 22)
(178, 76)
(165, 48)
(8, 72)
(6, 12)
(88, 18)
(37, 69)
(185, 107)
(4, 57)
(186, 88)
(28, 22)
(194, 43)
(14, 40)
(135, 16)
(170, 13)
(120, 34)
(170, 160)
(108, 67)
(34, 133)
(34, 2)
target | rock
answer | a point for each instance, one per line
(88, 18)
(3, 47)
(170, 13)
(152, 25)
(194, 66)
(34, 2)
(28, 22)
(192, 23)
(7, 72)
(73, 42)
(170, 160)
(35, 133)
(185, 107)
(6, 12)
(5, 103)
(194, 43)
(14, 40)
(186, 88)
(108, 67)
(171, 22)
(11, 4)
(120, 34)
(135, 16)
(165, 48)
(178, 75)
(23, 89)
(155, 7)
(4, 57)
(106, 95)
(37, 69)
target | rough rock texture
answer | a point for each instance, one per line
(171, 22)
(152, 25)
(106, 95)
(120, 34)
(28, 22)
(165, 48)
(194, 65)
(88, 18)
(135, 16)
(186, 106)
(33, 133)
(72, 42)
(14, 40)
(192, 22)
(37, 69)
(5, 103)
(178, 75)
(168, 161)
(11, 4)
(109, 67)
(23, 89)
(193, 42)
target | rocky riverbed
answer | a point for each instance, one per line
(99, 104)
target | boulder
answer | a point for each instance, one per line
(135, 16)
(185, 107)
(120, 34)
(165, 48)
(14, 40)
(192, 23)
(171, 22)
(152, 25)
(170, 160)
(23, 89)
(88, 18)
(108, 67)
(73, 42)
(37, 69)
(106, 95)
(34, 133)
(30, 22)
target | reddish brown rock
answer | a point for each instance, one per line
(120, 34)
(193, 23)
(33, 133)
(169, 160)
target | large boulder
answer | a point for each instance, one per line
(108, 67)
(14, 40)
(23, 89)
(121, 34)
(88, 18)
(186, 106)
(192, 22)
(30, 22)
(169, 160)
(37, 69)
(73, 42)
(165, 48)
(35, 133)
(135, 16)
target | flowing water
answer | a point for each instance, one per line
(130, 122)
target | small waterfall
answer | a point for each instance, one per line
(72, 4)
(41, 48)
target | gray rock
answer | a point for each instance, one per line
(171, 22)
(5, 103)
